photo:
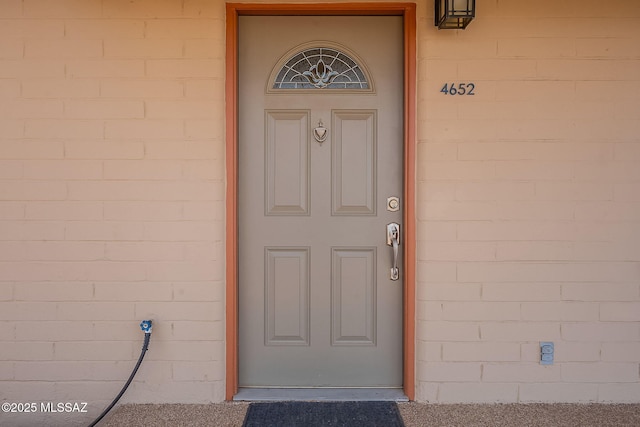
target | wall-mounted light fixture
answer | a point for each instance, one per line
(454, 14)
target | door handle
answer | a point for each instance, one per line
(393, 240)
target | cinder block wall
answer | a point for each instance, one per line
(112, 201)
(529, 204)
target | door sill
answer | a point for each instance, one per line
(320, 394)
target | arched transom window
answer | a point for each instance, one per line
(321, 68)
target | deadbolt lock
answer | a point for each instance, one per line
(393, 204)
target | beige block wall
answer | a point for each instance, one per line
(529, 204)
(112, 201)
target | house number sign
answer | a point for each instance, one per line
(458, 88)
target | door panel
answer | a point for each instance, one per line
(317, 307)
(354, 302)
(287, 162)
(287, 282)
(354, 162)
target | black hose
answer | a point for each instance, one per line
(145, 346)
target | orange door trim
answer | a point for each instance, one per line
(233, 10)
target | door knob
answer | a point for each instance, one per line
(393, 240)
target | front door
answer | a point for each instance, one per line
(319, 222)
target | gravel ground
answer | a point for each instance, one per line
(227, 414)
(520, 415)
(231, 414)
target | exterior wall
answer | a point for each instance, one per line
(112, 202)
(529, 204)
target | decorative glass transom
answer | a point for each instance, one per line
(321, 68)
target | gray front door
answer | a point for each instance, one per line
(320, 154)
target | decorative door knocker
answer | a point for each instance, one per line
(320, 133)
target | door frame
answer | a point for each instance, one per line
(408, 12)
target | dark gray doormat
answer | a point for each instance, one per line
(323, 414)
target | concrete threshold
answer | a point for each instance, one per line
(320, 394)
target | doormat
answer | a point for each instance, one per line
(323, 414)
